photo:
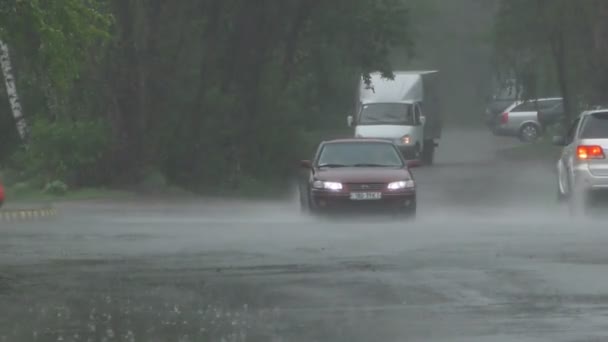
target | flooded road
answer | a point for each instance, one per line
(491, 257)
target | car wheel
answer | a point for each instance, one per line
(304, 202)
(529, 132)
(304, 209)
(407, 213)
(411, 214)
(310, 207)
(417, 153)
(578, 203)
(562, 196)
(428, 153)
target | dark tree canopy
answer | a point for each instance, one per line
(212, 93)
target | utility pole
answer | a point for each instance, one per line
(11, 90)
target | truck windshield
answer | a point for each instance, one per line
(386, 114)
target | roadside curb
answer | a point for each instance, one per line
(19, 215)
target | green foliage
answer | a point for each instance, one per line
(56, 35)
(62, 150)
(212, 94)
(56, 188)
(551, 47)
(455, 37)
(153, 180)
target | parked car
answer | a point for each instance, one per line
(356, 175)
(527, 119)
(496, 107)
(582, 169)
(505, 93)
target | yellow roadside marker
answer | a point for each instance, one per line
(15, 215)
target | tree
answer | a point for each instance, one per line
(11, 90)
(215, 94)
(222, 93)
(549, 45)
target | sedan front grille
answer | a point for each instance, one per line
(366, 186)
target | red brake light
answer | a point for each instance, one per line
(504, 118)
(586, 152)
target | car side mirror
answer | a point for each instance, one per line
(412, 163)
(423, 120)
(305, 164)
(559, 140)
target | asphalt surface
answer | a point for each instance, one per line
(491, 257)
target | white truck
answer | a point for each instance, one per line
(405, 110)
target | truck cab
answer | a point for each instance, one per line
(400, 122)
(404, 110)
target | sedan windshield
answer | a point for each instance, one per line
(595, 126)
(359, 155)
(386, 114)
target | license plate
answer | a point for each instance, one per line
(365, 196)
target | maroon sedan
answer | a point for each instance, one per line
(357, 175)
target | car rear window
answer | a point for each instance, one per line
(534, 105)
(595, 126)
(526, 107)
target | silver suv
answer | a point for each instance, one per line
(582, 169)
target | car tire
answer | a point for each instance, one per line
(578, 203)
(529, 133)
(428, 152)
(309, 208)
(304, 209)
(561, 197)
(407, 213)
(304, 201)
(417, 153)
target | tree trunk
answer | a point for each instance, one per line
(303, 13)
(11, 90)
(599, 51)
(559, 55)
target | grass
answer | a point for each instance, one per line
(542, 150)
(25, 194)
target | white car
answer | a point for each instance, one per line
(582, 169)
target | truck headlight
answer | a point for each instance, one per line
(327, 185)
(406, 184)
(406, 140)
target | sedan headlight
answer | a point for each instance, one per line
(406, 184)
(327, 185)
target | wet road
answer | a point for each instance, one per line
(491, 258)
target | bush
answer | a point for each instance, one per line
(23, 187)
(56, 188)
(62, 150)
(153, 180)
